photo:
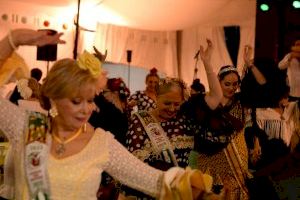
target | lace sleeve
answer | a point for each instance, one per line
(12, 120)
(132, 172)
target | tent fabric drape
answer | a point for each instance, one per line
(172, 52)
(190, 43)
(149, 48)
(247, 37)
(236, 13)
(163, 49)
(159, 49)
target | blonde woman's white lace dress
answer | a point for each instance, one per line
(77, 176)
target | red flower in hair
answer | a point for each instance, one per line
(114, 84)
(153, 71)
(117, 84)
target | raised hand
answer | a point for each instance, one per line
(206, 54)
(35, 38)
(248, 55)
(99, 55)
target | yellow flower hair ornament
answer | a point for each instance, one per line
(88, 61)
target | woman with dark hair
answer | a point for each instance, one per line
(112, 109)
(221, 146)
(111, 115)
(222, 150)
(146, 100)
(197, 87)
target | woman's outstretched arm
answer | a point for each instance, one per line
(248, 62)
(19, 37)
(131, 171)
(213, 98)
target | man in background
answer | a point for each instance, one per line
(291, 63)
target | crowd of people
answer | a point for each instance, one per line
(80, 135)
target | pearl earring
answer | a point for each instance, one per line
(53, 111)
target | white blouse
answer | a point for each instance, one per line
(276, 125)
(78, 176)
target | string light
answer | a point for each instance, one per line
(296, 4)
(264, 7)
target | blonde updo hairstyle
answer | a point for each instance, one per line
(64, 80)
(167, 84)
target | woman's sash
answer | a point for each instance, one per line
(158, 137)
(36, 156)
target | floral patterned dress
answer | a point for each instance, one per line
(228, 163)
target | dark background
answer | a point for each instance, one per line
(275, 33)
(276, 29)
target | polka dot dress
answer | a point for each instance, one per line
(143, 101)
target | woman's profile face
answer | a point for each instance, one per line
(229, 84)
(151, 83)
(75, 111)
(168, 104)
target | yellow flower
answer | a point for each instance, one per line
(88, 61)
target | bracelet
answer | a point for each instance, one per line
(11, 42)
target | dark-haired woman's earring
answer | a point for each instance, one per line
(53, 111)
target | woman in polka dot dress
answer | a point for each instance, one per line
(177, 126)
(146, 100)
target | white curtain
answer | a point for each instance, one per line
(190, 43)
(247, 37)
(235, 13)
(160, 48)
(149, 48)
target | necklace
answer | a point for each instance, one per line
(60, 149)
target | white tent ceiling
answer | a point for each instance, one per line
(197, 20)
(161, 14)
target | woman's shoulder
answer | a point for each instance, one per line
(99, 132)
(103, 137)
(194, 103)
(31, 106)
(138, 92)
